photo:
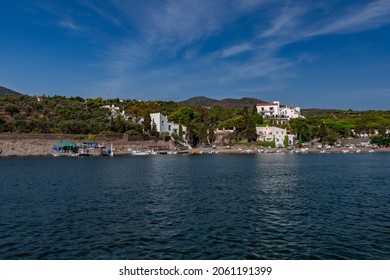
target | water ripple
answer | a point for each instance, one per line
(205, 207)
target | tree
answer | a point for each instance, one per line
(330, 138)
(256, 117)
(154, 131)
(301, 127)
(285, 141)
(250, 128)
(180, 132)
(147, 123)
(202, 132)
(237, 122)
(211, 135)
(12, 110)
(2, 124)
(250, 131)
(323, 131)
(184, 115)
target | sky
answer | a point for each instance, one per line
(312, 54)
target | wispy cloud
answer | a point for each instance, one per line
(288, 20)
(237, 49)
(164, 43)
(373, 15)
(70, 25)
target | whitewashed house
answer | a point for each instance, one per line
(115, 112)
(280, 113)
(163, 125)
(271, 133)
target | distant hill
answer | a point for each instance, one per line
(5, 91)
(200, 100)
(225, 103)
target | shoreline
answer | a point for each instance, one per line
(14, 145)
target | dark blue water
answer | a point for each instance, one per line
(269, 206)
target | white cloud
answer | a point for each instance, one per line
(237, 49)
(370, 16)
(287, 20)
(162, 44)
(70, 25)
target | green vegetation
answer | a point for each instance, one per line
(75, 115)
(268, 144)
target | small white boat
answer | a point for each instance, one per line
(345, 151)
(140, 153)
(371, 151)
(302, 151)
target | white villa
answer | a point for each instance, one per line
(163, 125)
(115, 112)
(281, 114)
(271, 133)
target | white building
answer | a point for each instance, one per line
(163, 125)
(271, 133)
(282, 114)
(115, 112)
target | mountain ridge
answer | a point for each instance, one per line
(5, 91)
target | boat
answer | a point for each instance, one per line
(83, 153)
(61, 149)
(140, 153)
(302, 151)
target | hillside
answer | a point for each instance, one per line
(200, 100)
(225, 103)
(5, 91)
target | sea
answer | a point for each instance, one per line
(200, 207)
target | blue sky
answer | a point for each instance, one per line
(323, 54)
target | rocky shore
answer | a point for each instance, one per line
(20, 145)
(24, 145)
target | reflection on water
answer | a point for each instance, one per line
(196, 207)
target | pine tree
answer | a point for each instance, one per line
(147, 123)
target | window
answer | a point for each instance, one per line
(169, 127)
(271, 108)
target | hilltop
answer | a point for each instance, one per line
(5, 91)
(224, 103)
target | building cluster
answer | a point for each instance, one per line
(280, 114)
